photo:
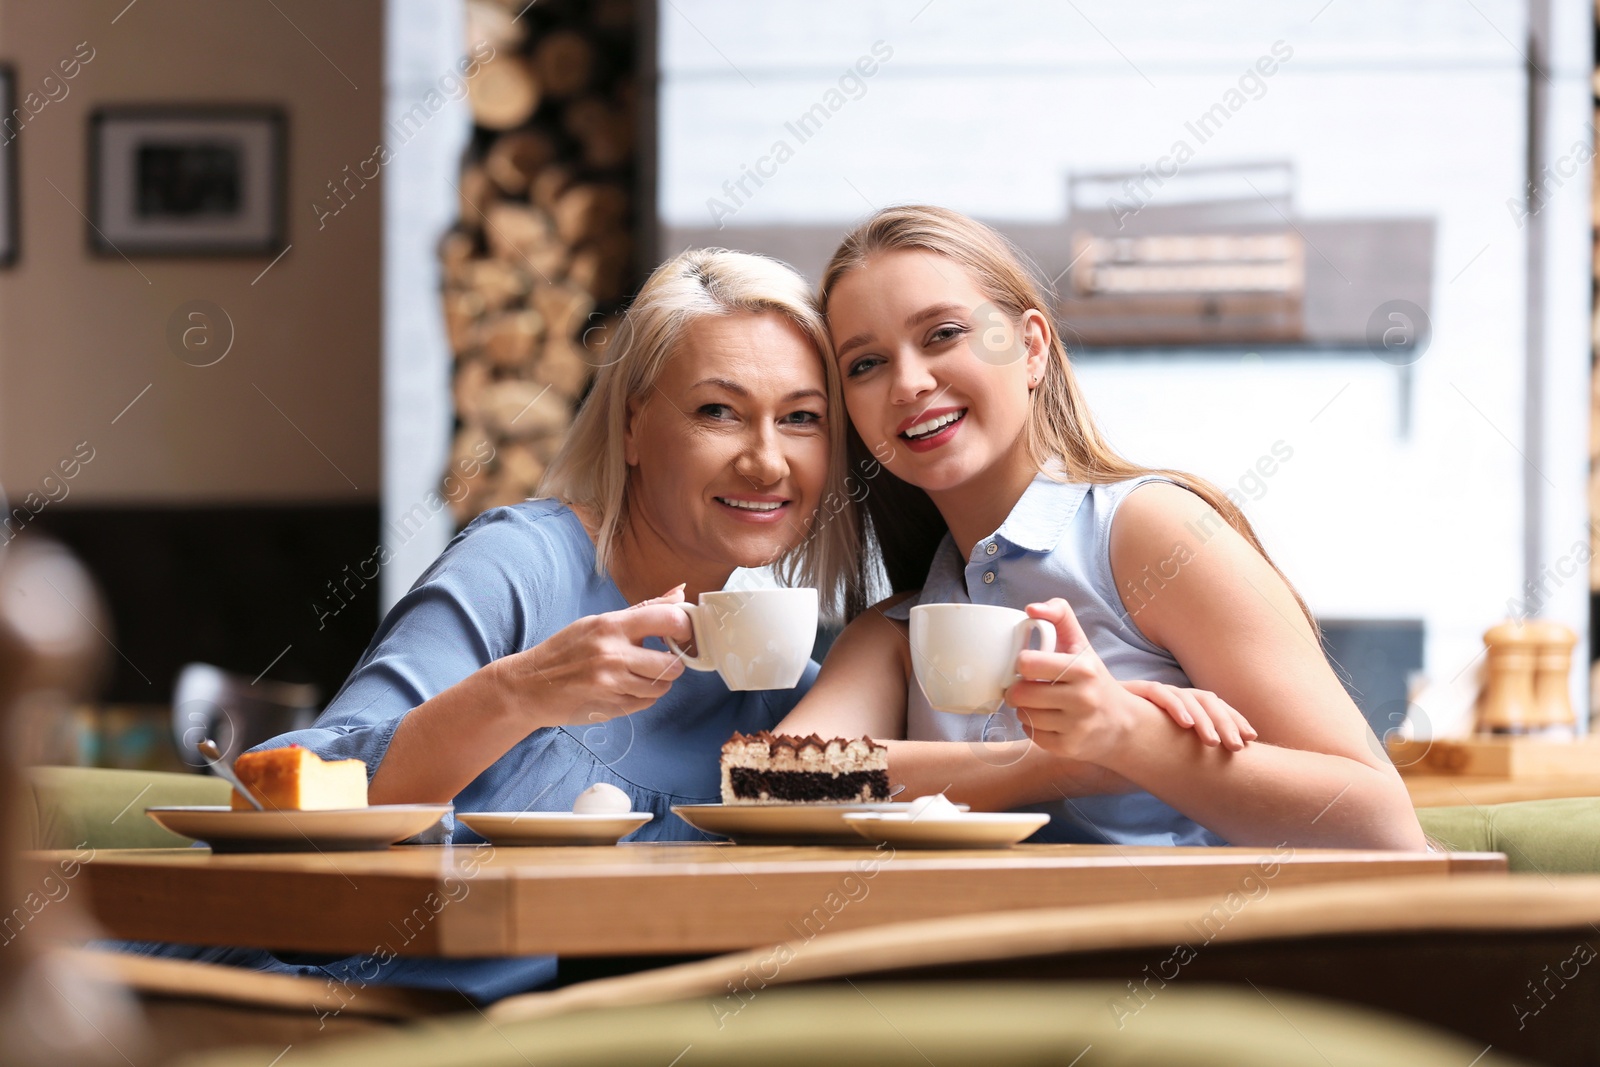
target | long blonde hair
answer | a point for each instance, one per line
(900, 518)
(591, 470)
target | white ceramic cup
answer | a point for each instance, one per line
(965, 655)
(754, 638)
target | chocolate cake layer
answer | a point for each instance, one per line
(808, 787)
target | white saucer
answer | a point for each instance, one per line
(977, 829)
(552, 827)
(341, 830)
(789, 824)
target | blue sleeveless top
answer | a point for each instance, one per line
(1057, 543)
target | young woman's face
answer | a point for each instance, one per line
(729, 454)
(936, 379)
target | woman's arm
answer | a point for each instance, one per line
(1317, 777)
(862, 691)
(588, 672)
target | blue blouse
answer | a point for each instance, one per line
(512, 578)
(1057, 543)
(508, 581)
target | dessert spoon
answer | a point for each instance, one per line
(208, 749)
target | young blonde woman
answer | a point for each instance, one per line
(997, 488)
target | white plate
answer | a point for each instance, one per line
(978, 829)
(553, 827)
(789, 824)
(343, 830)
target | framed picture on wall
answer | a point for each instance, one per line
(9, 217)
(186, 181)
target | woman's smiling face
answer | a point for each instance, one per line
(729, 454)
(935, 378)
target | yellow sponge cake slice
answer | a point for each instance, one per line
(297, 779)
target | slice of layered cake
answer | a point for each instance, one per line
(297, 779)
(768, 768)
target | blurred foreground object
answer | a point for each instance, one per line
(51, 1010)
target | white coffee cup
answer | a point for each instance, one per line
(965, 655)
(754, 638)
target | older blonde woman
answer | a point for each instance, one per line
(527, 664)
(515, 673)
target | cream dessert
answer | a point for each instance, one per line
(602, 798)
(297, 779)
(766, 768)
(934, 808)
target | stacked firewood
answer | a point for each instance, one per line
(543, 253)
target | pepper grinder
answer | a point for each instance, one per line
(1552, 673)
(1508, 704)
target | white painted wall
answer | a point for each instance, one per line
(425, 39)
(290, 415)
(1568, 271)
(1400, 108)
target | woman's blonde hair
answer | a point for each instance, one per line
(901, 518)
(591, 470)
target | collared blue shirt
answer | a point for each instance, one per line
(509, 580)
(1057, 543)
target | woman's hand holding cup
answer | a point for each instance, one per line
(1066, 699)
(598, 668)
(1070, 705)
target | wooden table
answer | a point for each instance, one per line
(659, 898)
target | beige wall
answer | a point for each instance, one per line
(81, 335)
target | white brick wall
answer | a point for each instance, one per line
(1405, 107)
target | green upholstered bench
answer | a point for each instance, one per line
(1537, 836)
(993, 1024)
(73, 807)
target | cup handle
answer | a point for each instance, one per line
(1046, 632)
(701, 662)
